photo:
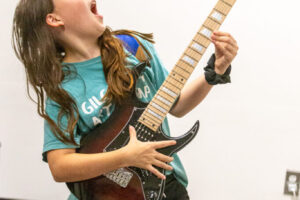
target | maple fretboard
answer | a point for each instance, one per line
(165, 97)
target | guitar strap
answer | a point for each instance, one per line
(132, 45)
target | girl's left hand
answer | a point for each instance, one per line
(225, 50)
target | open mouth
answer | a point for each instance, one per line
(94, 8)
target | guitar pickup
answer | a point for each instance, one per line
(120, 176)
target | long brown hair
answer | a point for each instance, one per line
(35, 46)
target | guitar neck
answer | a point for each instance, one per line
(167, 94)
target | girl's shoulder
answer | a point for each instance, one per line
(133, 40)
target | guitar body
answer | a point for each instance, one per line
(127, 183)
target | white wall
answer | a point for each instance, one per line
(249, 133)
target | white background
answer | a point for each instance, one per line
(249, 133)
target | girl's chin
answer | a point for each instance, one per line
(101, 30)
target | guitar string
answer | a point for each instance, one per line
(175, 83)
(139, 127)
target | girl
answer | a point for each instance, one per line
(79, 71)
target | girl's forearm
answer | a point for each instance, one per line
(191, 95)
(71, 167)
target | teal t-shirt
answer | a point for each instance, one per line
(89, 85)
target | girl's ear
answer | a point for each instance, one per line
(54, 20)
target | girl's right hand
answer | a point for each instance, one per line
(144, 155)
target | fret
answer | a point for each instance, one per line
(205, 32)
(167, 96)
(217, 17)
(220, 11)
(194, 54)
(174, 87)
(178, 77)
(229, 2)
(180, 71)
(175, 83)
(197, 47)
(158, 107)
(187, 59)
(201, 39)
(212, 25)
(147, 119)
(175, 91)
(151, 119)
(170, 90)
(156, 111)
(154, 114)
(148, 123)
(185, 66)
(163, 99)
(223, 7)
(160, 103)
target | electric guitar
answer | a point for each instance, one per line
(133, 183)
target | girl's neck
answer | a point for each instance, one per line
(78, 50)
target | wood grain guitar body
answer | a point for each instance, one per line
(127, 183)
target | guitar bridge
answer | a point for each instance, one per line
(120, 176)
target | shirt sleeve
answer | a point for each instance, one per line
(51, 142)
(160, 72)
